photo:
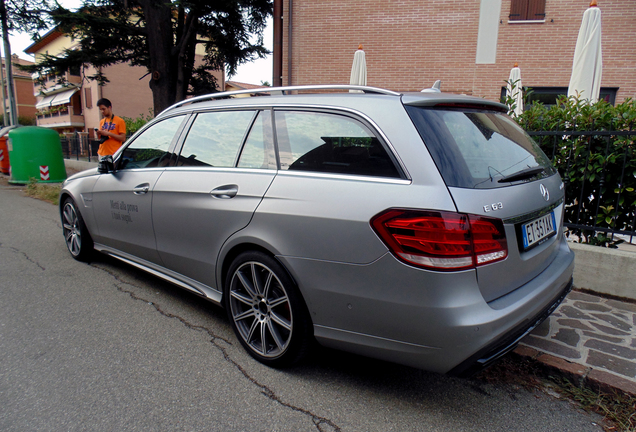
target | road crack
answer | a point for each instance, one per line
(318, 421)
(28, 258)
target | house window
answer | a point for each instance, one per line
(548, 95)
(74, 71)
(527, 10)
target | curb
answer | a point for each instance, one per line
(593, 264)
(578, 374)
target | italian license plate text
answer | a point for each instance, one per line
(538, 229)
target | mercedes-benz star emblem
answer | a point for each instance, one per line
(544, 192)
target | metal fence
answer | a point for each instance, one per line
(79, 146)
(599, 172)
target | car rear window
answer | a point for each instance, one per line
(330, 143)
(479, 149)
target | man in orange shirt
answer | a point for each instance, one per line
(112, 129)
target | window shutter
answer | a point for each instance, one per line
(88, 97)
(536, 9)
(531, 10)
(518, 10)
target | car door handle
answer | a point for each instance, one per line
(225, 192)
(141, 189)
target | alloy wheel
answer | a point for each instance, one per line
(72, 230)
(261, 309)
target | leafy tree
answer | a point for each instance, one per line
(23, 15)
(162, 36)
(28, 16)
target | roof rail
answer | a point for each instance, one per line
(282, 90)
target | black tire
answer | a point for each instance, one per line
(266, 310)
(76, 236)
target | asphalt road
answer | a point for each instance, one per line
(105, 347)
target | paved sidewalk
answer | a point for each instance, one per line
(588, 338)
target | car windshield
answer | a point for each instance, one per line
(479, 149)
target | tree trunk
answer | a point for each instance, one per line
(185, 55)
(160, 43)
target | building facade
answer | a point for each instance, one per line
(22, 89)
(236, 86)
(470, 45)
(68, 103)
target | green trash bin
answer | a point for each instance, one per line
(35, 152)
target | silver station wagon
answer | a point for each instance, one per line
(421, 228)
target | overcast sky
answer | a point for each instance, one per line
(251, 73)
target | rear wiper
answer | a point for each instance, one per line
(522, 175)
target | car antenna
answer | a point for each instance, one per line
(435, 89)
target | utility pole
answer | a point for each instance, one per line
(9, 66)
(5, 120)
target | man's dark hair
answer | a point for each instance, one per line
(105, 102)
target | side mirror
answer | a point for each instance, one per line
(105, 165)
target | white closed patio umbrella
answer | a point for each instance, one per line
(359, 68)
(514, 90)
(587, 67)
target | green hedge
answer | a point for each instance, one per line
(134, 124)
(599, 171)
(22, 120)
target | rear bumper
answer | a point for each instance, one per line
(490, 354)
(429, 320)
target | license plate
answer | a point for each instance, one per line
(539, 229)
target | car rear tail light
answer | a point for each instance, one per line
(441, 240)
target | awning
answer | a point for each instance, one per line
(44, 103)
(64, 97)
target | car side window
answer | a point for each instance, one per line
(330, 143)
(215, 138)
(258, 151)
(150, 148)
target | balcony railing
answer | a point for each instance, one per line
(53, 113)
(60, 117)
